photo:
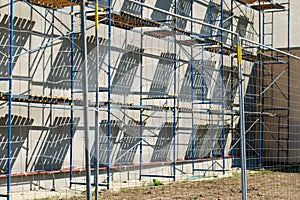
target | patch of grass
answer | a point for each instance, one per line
(262, 173)
(144, 184)
(125, 190)
(156, 183)
(236, 175)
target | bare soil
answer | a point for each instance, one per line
(261, 185)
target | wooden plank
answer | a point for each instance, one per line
(191, 42)
(251, 1)
(160, 33)
(53, 4)
(218, 49)
(125, 20)
(246, 1)
(269, 6)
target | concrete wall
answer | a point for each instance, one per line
(281, 24)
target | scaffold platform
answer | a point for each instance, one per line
(123, 20)
(268, 6)
(53, 4)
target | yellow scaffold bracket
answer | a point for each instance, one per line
(97, 16)
(6, 56)
(239, 54)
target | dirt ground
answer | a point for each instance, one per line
(261, 185)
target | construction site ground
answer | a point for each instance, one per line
(261, 185)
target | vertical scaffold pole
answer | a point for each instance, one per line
(203, 97)
(85, 101)
(141, 102)
(261, 98)
(175, 98)
(192, 92)
(109, 91)
(210, 4)
(11, 60)
(223, 89)
(72, 95)
(242, 119)
(289, 78)
(231, 84)
(96, 141)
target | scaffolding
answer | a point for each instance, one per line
(151, 106)
(272, 72)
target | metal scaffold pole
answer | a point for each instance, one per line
(72, 95)
(85, 100)
(96, 142)
(223, 89)
(289, 79)
(192, 93)
(175, 98)
(11, 62)
(231, 86)
(109, 91)
(261, 98)
(242, 119)
(141, 103)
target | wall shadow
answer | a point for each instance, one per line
(126, 70)
(241, 27)
(164, 5)
(162, 76)
(183, 9)
(210, 16)
(203, 74)
(163, 143)
(199, 140)
(20, 130)
(56, 144)
(131, 7)
(61, 72)
(129, 143)
(226, 25)
(103, 142)
(22, 28)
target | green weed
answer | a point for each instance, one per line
(236, 174)
(143, 184)
(156, 183)
(125, 190)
